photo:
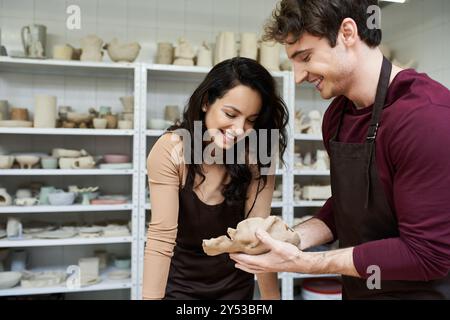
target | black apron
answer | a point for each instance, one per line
(362, 212)
(195, 275)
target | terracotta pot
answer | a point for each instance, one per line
(20, 114)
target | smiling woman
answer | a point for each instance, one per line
(192, 201)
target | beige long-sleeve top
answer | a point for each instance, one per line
(167, 174)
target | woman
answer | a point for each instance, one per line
(192, 201)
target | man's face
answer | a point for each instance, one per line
(315, 61)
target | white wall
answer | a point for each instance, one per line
(420, 30)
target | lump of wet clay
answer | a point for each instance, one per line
(243, 238)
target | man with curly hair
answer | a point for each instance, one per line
(387, 135)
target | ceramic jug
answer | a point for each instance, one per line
(164, 53)
(204, 56)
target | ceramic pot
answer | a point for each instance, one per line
(67, 163)
(164, 53)
(6, 162)
(20, 114)
(270, 56)
(128, 116)
(43, 195)
(100, 123)
(249, 45)
(5, 198)
(125, 124)
(62, 52)
(44, 111)
(49, 163)
(225, 47)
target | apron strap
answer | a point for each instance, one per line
(380, 99)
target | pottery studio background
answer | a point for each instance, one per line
(105, 218)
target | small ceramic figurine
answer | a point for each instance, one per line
(184, 54)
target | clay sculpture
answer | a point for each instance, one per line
(243, 238)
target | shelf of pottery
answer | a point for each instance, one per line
(68, 175)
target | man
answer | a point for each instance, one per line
(388, 135)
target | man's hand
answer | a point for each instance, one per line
(285, 257)
(280, 258)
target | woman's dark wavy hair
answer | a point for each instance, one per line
(273, 115)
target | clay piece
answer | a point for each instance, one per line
(91, 48)
(204, 56)
(122, 52)
(184, 54)
(243, 238)
(42, 279)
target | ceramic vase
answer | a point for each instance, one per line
(165, 53)
(270, 56)
(249, 45)
(225, 47)
(45, 111)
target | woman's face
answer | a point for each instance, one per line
(229, 117)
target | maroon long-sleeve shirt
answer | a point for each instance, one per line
(413, 162)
